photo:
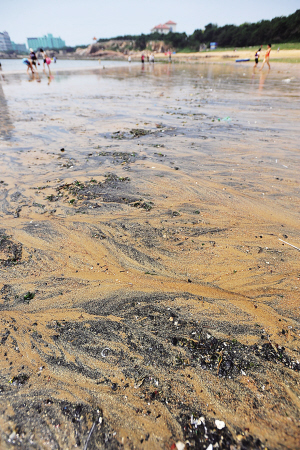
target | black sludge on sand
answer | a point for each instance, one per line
(145, 299)
(35, 422)
(40, 422)
(10, 251)
(160, 338)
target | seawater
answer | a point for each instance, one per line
(16, 65)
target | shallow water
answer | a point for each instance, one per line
(17, 66)
(150, 254)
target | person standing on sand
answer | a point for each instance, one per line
(44, 56)
(2, 76)
(46, 60)
(33, 58)
(143, 58)
(257, 57)
(266, 58)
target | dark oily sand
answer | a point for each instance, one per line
(147, 301)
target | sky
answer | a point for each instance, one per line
(78, 21)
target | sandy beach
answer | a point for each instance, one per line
(149, 297)
(219, 55)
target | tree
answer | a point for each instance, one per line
(279, 29)
(141, 42)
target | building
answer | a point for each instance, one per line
(7, 45)
(5, 42)
(213, 45)
(2, 43)
(165, 28)
(171, 25)
(45, 42)
(19, 48)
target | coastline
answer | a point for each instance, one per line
(56, 69)
(224, 56)
(282, 65)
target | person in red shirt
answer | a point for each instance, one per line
(266, 58)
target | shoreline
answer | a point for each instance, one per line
(292, 56)
(136, 63)
(61, 70)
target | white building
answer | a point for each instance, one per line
(165, 28)
(5, 43)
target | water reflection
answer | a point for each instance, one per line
(262, 79)
(202, 84)
(230, 78)
(50, 79)
(5, 121)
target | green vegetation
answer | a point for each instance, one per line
(186, 50)
(277, 30)
(280, 30)
(290, 46)
(28, 296)
(287, 60)
(283, 46)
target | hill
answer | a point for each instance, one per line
(278, 30)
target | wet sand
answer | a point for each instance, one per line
(145, 291)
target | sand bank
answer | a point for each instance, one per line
(289, 56)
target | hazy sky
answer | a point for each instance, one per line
(78, 21)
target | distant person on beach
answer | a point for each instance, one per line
(2, 76)
(33, 58)
(266, 58)
(151, 59)
(46, 60)
(257, 54)
(54, 59)
(29, 65)
(129, 59)
(143, 58)
(170, 56)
